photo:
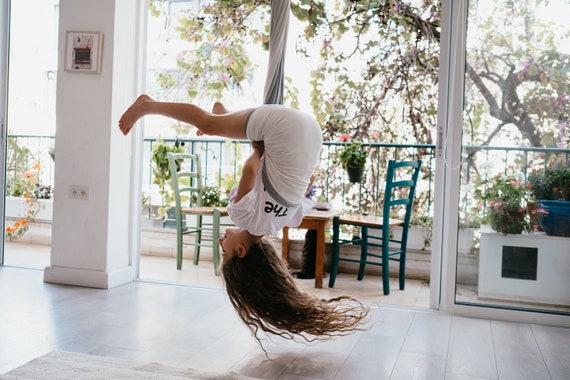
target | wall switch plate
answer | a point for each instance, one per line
(79, 192)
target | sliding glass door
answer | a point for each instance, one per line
(29, 130)
(4, 22)
(506, 100)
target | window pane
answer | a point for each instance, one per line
(516, 106)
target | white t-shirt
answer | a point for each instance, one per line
(260, 214)
(292, 147)
(292, 143)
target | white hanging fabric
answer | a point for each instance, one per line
(279, 26)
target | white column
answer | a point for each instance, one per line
(93, 239)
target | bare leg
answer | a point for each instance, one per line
(231, 125)
(217, 109)
(251, 165)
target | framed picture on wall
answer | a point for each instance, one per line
(83, 51)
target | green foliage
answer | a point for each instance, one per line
(353, 155)
(374, 68)
(506, 199)
(426, 223)
(218, 36)
(26, 187)
(516, 78)
(221, 36)
(19, 160)
(212, 196)
(517, 74)
(550, 184)
(161, 168)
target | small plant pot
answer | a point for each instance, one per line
(355, 174)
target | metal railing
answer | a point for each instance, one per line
(222, 160)
(29, 153)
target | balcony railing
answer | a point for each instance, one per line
(222, 160)
(29, 153)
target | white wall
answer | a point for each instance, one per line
(92, 240)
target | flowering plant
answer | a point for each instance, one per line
(311, 192)
(505, 196)
(27, 188)
(161, 170)
(212, 196)
(352, 155)
(22, 225)
(550, 184)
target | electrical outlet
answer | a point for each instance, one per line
(79, 192)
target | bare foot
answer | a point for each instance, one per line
(219, 109)
(133, 113)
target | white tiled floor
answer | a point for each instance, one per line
(190, 323)
(163, 269)
(190, 326)
(416, 293)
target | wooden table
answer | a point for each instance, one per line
(319, 221)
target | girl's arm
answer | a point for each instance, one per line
(310, 185)
(250, 170)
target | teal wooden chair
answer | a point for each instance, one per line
(401, 180)
(186, 176)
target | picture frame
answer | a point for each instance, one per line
(83, 51)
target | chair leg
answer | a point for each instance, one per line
(215, 237)
(198, 239)
(402, 273)
(363, 252)
(386, 268)
(335, 252)
(179, 245)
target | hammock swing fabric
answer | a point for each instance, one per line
(280, 10)
(279, 25)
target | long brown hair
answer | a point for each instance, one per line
(266, 297)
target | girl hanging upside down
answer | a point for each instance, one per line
(270, 195)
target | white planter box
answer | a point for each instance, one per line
(419, 238)
(17, 207)
(465, 237)
(548, 276)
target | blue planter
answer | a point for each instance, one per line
(554, 217)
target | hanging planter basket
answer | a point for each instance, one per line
(355, 174)
(554, 217)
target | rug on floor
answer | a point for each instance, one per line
(70, 365)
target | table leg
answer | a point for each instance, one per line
(285, 246)
(320, 256)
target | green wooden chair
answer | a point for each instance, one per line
(186, 176)
(401, 180)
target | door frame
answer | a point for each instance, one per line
(447, 182)
(4, 57)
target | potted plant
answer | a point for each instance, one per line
(161, 171)
(212, 196)
(551, 190)
(353, 159)
(26, 192)
(506, 201)
(423, 224)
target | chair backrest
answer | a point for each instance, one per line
(401, 180)
(186, 177)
